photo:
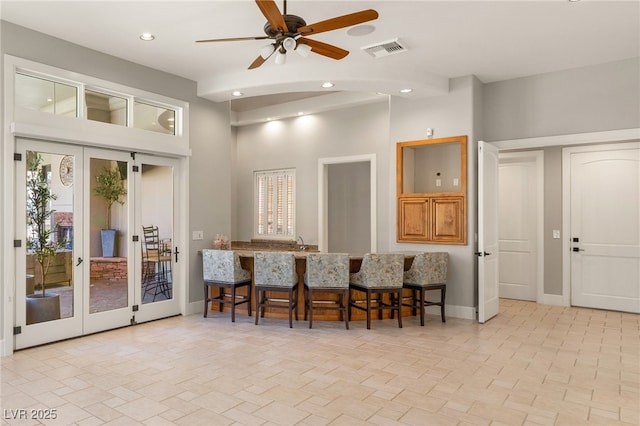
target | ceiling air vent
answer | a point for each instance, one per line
(385, 48)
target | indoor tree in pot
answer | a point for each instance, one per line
(111, 187)
(40, 244)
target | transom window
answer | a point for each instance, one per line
(61, 98)
(275, 204)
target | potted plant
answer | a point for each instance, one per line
(111, 187)
(40, 242)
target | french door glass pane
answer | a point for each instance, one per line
(157, 232)
(49, 219)
(108, 225)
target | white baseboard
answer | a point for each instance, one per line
(553, 299)
(195, 307)
(464, 312)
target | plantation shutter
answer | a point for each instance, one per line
(275, 204)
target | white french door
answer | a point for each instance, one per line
(95, 289)
(49, 270)
(156, 207)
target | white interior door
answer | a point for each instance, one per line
(604, 184)
(488, 250)
(521, 201)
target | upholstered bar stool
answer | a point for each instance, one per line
(380, 273)
(327, 273)
(275, 272)
(221, 269)
(428, 272)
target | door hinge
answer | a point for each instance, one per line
(133, 156)
(135, 238)
(135, 308)
(17, 156)
(135, 169)
(17, 330)
(17, 243)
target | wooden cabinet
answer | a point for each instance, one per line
(414, 223)
(439, 219)
(432, 191)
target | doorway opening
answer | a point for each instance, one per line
(347, 194)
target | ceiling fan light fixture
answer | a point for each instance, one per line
(281, 57)
(237, 93)
(289, 43)
(303, 50)
(327, 85)
(267, 50)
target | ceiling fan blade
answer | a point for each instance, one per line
(215, 40)
(259, 61)
(339, 22)
(324, 49)
(270, 10)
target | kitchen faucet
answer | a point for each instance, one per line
(302, 246)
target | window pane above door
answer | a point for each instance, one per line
(45, 95)
(154, 118)
(105, 108)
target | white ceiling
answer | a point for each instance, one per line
(494, 40)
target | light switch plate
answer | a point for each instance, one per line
(198, 235)
(556, 233)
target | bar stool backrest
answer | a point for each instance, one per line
(428, 268)
(223, 266)
(328, 270)
(380, 270)
(274, 269)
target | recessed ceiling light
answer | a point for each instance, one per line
(327, 85)
(147, 37)
(361, 30)
(406, 90)
(574, 1)
(237, 93)
(49, 99)
(300, 113)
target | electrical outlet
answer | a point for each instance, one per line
(456, 182)
(198, 235)
(438, 182)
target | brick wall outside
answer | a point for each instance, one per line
(108, 268)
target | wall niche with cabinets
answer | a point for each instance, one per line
(431, 178)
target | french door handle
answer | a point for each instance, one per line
(176, 254)
(482, 253)
(577, 249)
(80, 260)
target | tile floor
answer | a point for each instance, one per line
(531, 365)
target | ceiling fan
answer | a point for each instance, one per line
(289, 32)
